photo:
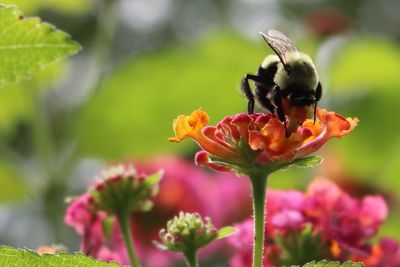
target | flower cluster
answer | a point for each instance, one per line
(121, 187)
(181, 189)
(327, 221)
(242, 140)
(188, 231)
(120, 190)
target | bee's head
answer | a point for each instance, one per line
(302, 98)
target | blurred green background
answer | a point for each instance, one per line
(145, 62)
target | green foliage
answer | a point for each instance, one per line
(325, 263)
(68, 6)
(138, 103)
(18, 100)
(365, 64)
(364, 83)
(226, 231)
(108, 224)
(27, 44)
(306, 162)
(12, 257)
(153, 179)
(300, 248)
(11, 187)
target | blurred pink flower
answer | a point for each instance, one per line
(284, 210)
(89, 225)
(242, 241)
(344, 221)
(184, 187)
(384, 254)
(341, 225)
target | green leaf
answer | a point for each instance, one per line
(27, 45)
(325, 263)
(226, 231)
(108, 223)
(13, 257)
(154, 178)
(306, 162)
(66, 6)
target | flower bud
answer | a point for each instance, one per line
(122, 189)
(188, 231)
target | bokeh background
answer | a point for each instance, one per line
(146, 61)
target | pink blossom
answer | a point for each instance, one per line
(343, 219)
(242, 241)
(223, 197)
(78, 215)
(284, 210)
(342, 226)
(384, 254)
(89, 225)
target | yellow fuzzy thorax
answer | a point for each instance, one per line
(303, 71)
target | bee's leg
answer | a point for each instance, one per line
(279, 109)
(265, 101)
(244, 85)
(318, 94)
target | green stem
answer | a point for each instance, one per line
(191, 258)
(124, 223)
(107, 20)
(259, 184)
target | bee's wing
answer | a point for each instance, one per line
(280, 43)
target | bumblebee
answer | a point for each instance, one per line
(288, 74)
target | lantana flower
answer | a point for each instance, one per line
(332, 225)
(189, 232)
(257, 145)
(244, 140)
(384, 254)
(119, 191)
(181, 189)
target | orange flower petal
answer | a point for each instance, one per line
(330, 125)
(46, 250)
(194, 126)
(202, 159)
(272, 139)
(264, 134)
(189, 126)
